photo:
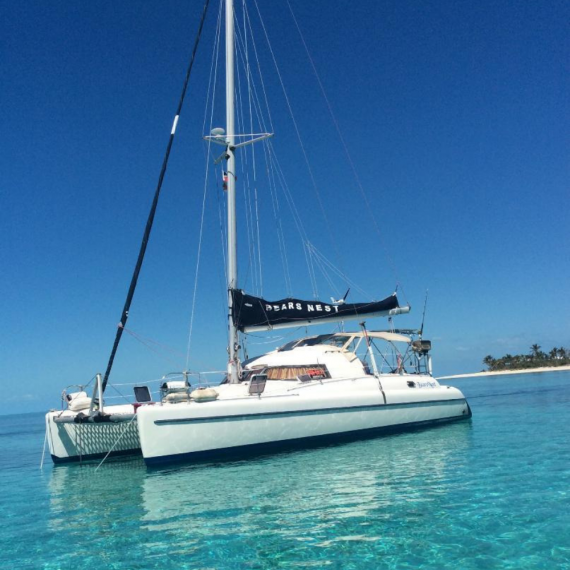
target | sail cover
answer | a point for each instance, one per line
(255, 314)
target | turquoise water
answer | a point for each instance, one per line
(490, 493)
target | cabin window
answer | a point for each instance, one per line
(315, 372)
(335, 340)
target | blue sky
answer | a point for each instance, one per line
(456, 117)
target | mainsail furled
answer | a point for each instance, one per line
(255, 314)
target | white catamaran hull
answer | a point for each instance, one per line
(70, 441)
(241, 426)
(238, 424)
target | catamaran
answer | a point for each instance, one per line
(317, 389)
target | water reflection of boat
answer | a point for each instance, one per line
(123, 513)
(74, 494)
(310, 489)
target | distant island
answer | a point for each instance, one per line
(535, 359)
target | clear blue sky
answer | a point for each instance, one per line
(456, 116)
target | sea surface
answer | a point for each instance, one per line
(493, 492)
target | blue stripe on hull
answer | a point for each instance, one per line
(252, 450)
(93, 456)
(317, 411)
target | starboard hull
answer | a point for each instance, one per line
(240, 428)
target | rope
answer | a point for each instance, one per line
(299, 138)
(326, 275)
(146, 342)
(273, 168)
(297, 220)
(198, 256)
(210, 97)
(119, 396)
(270, 119)
(254, 162)
(279, 225)
(348, 155)
(149, 223)
(116, 442)
(244, 170)
(44, 449)
(322, 259)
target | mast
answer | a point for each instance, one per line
(231, 184)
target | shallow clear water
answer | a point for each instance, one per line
(490, 493)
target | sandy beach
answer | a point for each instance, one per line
(505, 372)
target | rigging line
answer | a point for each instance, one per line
(240, 123)
(342, 275)
(253, 242)
(213, 76)
(221, 217)
(152, 341)
(257, 106)
(318, 255)
(251, 233)
(348, 155)
(270, 340)
(279, 339)
(252, 222)
(254, 106)
(198, 257)
(222, 273)
(312, 275)
(299, 138)
(255, 231)
(148, 228)
(139, 383)
(151, 348)
(327, 277)
(221, 206)
(269, 172)
(258, 109)
(211, 95)
(259, 264)
(288, 196)
(274, 338)
(295, 213)
(252, 36)
(249, 92)
(280, 234)
(120, 393)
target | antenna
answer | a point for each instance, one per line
(424, 314)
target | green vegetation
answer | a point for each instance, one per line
(535, 359)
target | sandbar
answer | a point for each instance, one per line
(505, 372)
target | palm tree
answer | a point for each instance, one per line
(553, 354)
(535, 350)
(488, 361)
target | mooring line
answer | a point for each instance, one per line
(44, 450)
(117, 441)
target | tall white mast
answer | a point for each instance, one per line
(231, 190)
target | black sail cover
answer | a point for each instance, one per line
(253, 313)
